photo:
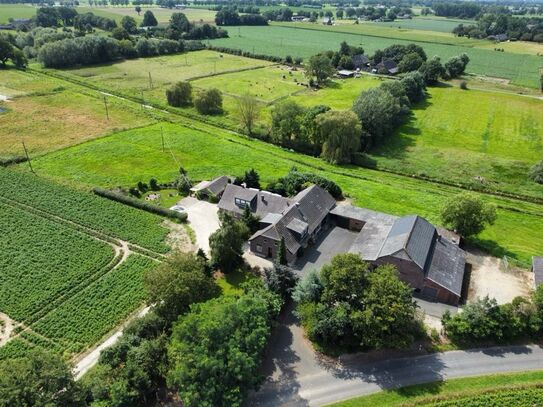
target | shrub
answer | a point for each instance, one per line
(463, 85)
(180, 94)
(209, 101)
(536, 173)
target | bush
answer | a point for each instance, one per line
(136, 203)
(463, 85)
(180, 94)
(536, 173)
(209, 101)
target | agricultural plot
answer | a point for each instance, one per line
(162, 14)
(47, 114)
(41, 260)
(8, 11)
(425, 24)
(521, 69)
(266, 84)
(209, 152)
(86, 317)
(99, 214)
(493, 139)
(154, 75)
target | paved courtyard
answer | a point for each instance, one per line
(330, 242)
(203, 219)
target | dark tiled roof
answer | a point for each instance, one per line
(360, 60)
(218, 185)
(389, 65)
(413, 234)
(298, 226)
(263, 202)
(447, 266)
(307, 209)
(537, 266)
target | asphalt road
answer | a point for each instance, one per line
(298, 377)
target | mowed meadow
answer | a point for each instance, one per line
(306, 40)
(205, 152)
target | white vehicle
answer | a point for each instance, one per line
(178, 208)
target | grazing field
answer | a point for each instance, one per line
(48, 114)
(492, 390)
(8, 11)
(521, 69)
(162, 14)
(425, 24)
(210, 152)
(87, 316)
(40, 260)
(458, 135)
(89, 210)
(131, 77)
(267, 84)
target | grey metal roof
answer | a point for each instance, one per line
(537, 267)
(218, 185)
(414, 235)
(447, 266)
(271, 218)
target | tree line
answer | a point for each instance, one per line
(515, 28)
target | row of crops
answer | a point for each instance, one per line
(112, 218)
(524, 397)
(86, 317)
(42, 260)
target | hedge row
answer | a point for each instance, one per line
(136, 203)
(4, 162)
(239, 52)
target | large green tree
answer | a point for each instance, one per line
(179, 282)
(341, 131)
(149, 19)
(226, 244)
(216, 349)
(319, 67)
(208, 101)
(468, 214)
(286, 122)
(38, 380)
(180, 94)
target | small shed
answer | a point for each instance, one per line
(537, 268)
(345, 73)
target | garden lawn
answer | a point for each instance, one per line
(457, 135)
(450, 390)
(204, 151)
(521, 69)
(48, 114)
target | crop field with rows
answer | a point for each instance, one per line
(40, 260)
(93, 312)
(102, 215)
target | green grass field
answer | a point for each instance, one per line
(463, 392)
(209, 152)
(8, 11)
(521, 69)
(426, 24)
(48, 114)
(162, 14)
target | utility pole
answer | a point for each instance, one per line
(105, 104)
(186, 60)
(239, 32)
(162, 136)
(28, 158)
(142, 100)
(150, 81)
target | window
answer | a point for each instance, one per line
(259, 248)
(242, 203)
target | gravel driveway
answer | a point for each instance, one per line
(203, 219)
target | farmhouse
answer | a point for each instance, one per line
(431, 263)
(388, 66)
(361, 62)
(537, 268)
(213, 188)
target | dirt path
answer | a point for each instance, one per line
(85, 362)
(6, 328)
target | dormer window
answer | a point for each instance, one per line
(242, 203)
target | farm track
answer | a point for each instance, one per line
(199, 120)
